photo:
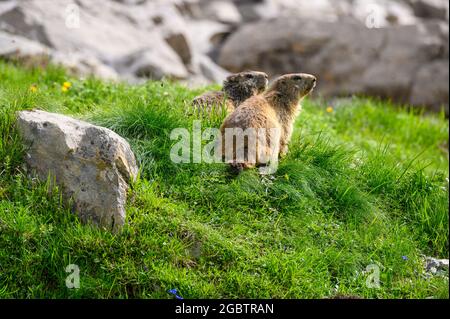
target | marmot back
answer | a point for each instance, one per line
(236, 89)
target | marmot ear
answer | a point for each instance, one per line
(229, 80)
(226, 81)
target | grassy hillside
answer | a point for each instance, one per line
(364, 183)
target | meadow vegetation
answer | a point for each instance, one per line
(365, 182)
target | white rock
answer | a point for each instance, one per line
(13, 47)
(84, 65)
(17, 47)
(15, 18)
(436, 266)
(209, 71)
(206, 34)
(91, 164)
(150, 63)
(222, 11)
(173, 28)
(258, 10)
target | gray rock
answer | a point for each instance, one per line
(84, 65)
(431, 9)
(222, 11)
(191, 9)
(324, 10)
(151, 63)
(254, 10)
(91, 164)
(436, 266)
(19, 48)
(173, 28)
(376, 47)
(441, 30)
(180, 44)
(383, 13)
(431, 86)
(207, 35)
(16, 19)
(347, 57)
(209, 71)
(405, 50)
(374, 13)
(293, 45)
(108, 31)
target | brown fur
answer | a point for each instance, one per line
(276, 108)
(236, 89)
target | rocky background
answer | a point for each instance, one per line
(395, 49)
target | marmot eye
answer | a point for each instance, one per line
(249, 76)
(297, 78)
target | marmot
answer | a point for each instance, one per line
(273, 111)
(236, 89)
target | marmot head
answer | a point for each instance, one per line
(294, 86)
(241, 86)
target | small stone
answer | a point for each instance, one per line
(436, 266)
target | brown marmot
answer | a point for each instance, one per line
(274, 112)
(236, 89)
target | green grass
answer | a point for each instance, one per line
(365, 184)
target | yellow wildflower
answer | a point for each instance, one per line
(33, 88)
(330, 109)
(67, 85)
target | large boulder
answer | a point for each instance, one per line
(431, 9)
(222, 11)
(30, 53)
(294, 45)
(207, 35)
(348, 57)
(162, 18)
(84, 64)
(430, 86)
(91, 164)
(375, 47)
(205, 72)
(254, 10)
(17, 48)
(374, 13)
(325, 10)
(405, 51)
(18, 20)
(110, 32)
(150, 63)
